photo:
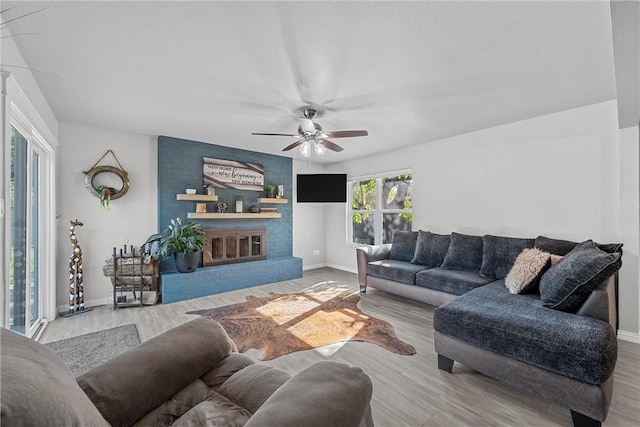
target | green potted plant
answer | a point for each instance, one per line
(184, 241)
(270, 190)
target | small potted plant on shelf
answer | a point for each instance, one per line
(270, 190)
(184, 241)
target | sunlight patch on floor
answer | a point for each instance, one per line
(287, 308)
(335, 326)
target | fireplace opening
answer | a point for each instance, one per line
(226, 246)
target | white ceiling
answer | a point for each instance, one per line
(408, 72)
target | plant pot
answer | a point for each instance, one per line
(187, 263)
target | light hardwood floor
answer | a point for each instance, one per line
(407, 390)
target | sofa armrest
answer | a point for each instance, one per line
(603, 303)
(596, 306)
(127, 387)
(325, 394)
(366, 254)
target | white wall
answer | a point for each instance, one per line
(13, 62)
(555, 175)
(132, 218)
(629, 228)
(308, 222)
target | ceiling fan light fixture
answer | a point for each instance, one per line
(305, 149)
(310, 134)
(320, 149)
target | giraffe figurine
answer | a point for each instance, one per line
(76, 288)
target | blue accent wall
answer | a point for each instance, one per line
(180, 167)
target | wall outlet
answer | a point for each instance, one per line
(316, 251)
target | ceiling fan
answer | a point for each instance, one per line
(310, 134)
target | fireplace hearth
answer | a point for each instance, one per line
(227, 246)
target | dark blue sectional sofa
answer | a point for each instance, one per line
(555, 339)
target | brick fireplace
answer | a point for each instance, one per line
(180, 167)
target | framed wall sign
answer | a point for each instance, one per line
(231, 174)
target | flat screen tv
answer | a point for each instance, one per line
(322, 188)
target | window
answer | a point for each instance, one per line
(379, 205)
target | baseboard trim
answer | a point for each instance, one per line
(334, 266)
(629, 336)
(313, 266)
(343, 268)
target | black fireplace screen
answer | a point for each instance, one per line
(225, 246)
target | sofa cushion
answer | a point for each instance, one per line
(403, 246)
(398, 271)
(566, 285)
(519, 326)
(231, 364)
(464, 253)
(38, 389)
(554, 246)
(527, 270)
(325, 394)
(563, 247)
(253, 385)
(499, 253)
(168, 412)
(215, 411)
(451, 281)
(431, 249)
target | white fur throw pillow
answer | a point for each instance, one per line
(527, 270)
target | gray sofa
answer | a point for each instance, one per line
(555, 339)
(188, 376)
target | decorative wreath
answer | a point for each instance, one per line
(103, 192)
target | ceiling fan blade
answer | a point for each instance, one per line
(294, 145)
(307, 125)
(330, 145)
(346, 133)
(273, 134)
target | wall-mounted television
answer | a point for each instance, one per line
(322, 188)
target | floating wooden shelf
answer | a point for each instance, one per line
(272, 200)
(197, 197)
(261, 215)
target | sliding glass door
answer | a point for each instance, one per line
(27, 213)
(25, 307)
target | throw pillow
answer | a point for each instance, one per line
(403, 245)
(554, 246)
(431, 249)
(464, 253)
(563, 247)
(555, 259)
(527, 270)
(610, 247)
(499, 254)
(566, 285)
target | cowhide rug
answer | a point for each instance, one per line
(280, 324)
